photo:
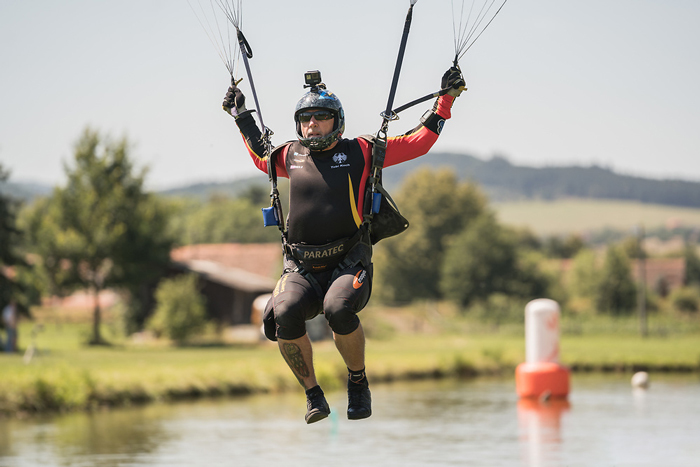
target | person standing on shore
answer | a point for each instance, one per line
(9, 319)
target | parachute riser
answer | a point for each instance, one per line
(380, 140)
(247, 52)
(399, 60)
(275, 203)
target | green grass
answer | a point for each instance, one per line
(612, 352)
(64, 375)
(577, 215)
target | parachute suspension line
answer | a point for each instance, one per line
(466, 31)
(221, 40)
(457, 31)
(233, 10)
(472, 27)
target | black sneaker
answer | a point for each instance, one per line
(359, 402)
(316, 407)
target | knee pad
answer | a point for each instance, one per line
(341, 318)
(269, 327)
(290, 320)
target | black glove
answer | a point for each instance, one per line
(234, 102)
(453, 80)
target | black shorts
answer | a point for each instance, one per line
(342, 295)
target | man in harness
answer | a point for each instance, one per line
(327, 243)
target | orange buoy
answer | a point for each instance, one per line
(542, 380)
(541, 376)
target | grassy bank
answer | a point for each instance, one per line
(64, 375)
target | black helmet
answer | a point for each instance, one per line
(320, 98)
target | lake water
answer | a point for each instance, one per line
(477, 423)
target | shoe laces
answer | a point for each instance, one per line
(316, 400)
(357, 394)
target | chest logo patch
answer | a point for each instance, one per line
(340, 157)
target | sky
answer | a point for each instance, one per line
(613, 83)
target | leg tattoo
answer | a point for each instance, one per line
(295, 360)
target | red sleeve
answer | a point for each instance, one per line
(418, 142)
(261, 161)
(256, 148)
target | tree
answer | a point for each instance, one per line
(484, 259)
(16, 278)
(616, 291)
(220, 220)
(585, 274)
(438, 207)
(102, 230)
(480, 261)
(9, 239)
(181, 309)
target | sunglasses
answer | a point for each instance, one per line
(319, 115)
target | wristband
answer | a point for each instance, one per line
(433, 122)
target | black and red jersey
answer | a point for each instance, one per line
(326, 188)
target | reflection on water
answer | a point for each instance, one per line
(540, 428)
(477, 422)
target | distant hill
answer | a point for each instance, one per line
(24, 191)
(503, 181)
(499, 178)
(206, 190)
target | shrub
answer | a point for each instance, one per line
(180, 310)
(499, 308)
(692, 265)
(686, 299)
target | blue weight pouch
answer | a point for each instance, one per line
(270, 217)
(376, 202)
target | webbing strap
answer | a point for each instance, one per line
(275, 201)
(420, 100)
(375, 175)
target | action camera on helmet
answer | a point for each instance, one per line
(312, 78)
